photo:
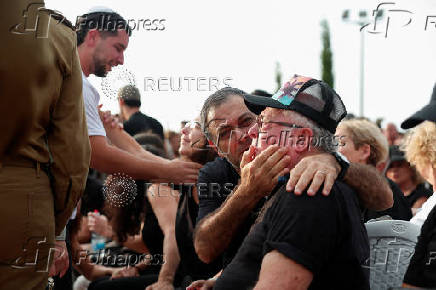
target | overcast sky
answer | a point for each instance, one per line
(242, 41)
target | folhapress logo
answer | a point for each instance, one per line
(33, 22)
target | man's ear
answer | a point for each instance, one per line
(92, 37)
(304, 139)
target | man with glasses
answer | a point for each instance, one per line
(222, 222)
(298, 241)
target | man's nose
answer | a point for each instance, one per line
(121, 58)
(253, 132)
(185, 130)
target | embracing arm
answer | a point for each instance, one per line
(371, 187)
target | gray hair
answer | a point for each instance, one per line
(216, 99)
(323, 139)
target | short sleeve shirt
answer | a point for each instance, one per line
(216, 181)
(326, 235)
(91, 99)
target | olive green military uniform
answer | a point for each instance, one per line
(42, 123)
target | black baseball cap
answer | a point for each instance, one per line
(427, 113)
(312, 98)
(395, 154)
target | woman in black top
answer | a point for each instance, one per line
(171, 211)
(408, 179)
(176, 207)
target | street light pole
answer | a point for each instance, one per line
(360, 22)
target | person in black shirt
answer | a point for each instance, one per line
(223, 221)
(299, 241)
(135, 121)
(407, 178)
(361, 141)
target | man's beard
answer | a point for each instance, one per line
(99, 67)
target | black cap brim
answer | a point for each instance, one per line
(257, 104)
(428, 113)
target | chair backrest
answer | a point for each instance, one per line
(392, 244)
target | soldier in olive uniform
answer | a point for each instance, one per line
(44, 134)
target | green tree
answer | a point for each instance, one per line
(278, 77)
(326, 55)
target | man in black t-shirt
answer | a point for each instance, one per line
(300, 241)
(224, 221)
(136, 122)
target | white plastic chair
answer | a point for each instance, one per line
(392, 244)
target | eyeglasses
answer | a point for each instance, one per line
(193, 125)
(225, 130)
(260, 123)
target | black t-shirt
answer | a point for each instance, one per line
(152, 234)
(139, 123)
(191, 268)
(324, 234)
(417, 193)
(422, 267)
(216, 181)
(399, 211)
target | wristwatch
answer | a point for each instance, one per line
(343, 162)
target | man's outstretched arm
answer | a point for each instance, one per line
(110, 159)
(371, 187)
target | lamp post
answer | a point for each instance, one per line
(361, 20)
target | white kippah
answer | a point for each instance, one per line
(100, 9)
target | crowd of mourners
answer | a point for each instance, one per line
(260, 190)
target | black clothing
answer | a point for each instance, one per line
(191, 268)
(152, 234)
(153, 237)
(216, 175)
(399, 211)
(417, 193)
(139, 123)
(221, 175)
(422, 267)
(324, 234)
